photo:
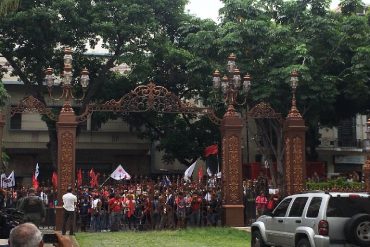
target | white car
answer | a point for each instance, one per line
(317, 219)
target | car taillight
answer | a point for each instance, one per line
(323, 228)
(351, 196)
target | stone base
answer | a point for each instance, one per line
(58, 218)
(233, 215)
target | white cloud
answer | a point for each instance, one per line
(209, 8)
(204, 8)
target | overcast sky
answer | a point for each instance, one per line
(209, 8)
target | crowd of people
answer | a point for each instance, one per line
(128, 205)
(138, 205)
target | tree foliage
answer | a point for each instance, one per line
(160, 42)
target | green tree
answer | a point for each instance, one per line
(31, 35)
(271, 38)
(181, 61)
(7, 6)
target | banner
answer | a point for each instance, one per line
(7, 182)
(120, 174)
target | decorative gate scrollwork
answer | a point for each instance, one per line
(31, 104)
(264, 110)
(146, 98)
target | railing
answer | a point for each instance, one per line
(342, 142)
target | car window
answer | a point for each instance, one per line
(314, 207)
(281, 209)
(347, 206)
(297, 207)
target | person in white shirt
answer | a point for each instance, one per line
(69, 205)
(95, 224)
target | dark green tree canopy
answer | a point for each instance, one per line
(160, 42)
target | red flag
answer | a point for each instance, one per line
(35, 183)
(54, 180)
(213, 149)
(96, 183)
(200, 174)
(92, 173)
(79, 177)
(93, 178)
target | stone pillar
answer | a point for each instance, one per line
(66, 130)
(232, 190)
(295, 155)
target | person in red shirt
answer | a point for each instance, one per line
(130, 210)
(115, 209)
(195, 209)
(261, 203)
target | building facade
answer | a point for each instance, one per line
(341, 147)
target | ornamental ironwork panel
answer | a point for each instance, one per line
(146, 98)
(263, 110)
(31, 104)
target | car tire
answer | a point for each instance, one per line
(357, 230)
(303, 243)
(257, 240)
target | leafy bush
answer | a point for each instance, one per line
(338, 184)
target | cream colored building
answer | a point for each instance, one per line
(26, 137)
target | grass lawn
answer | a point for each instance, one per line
(190, 237)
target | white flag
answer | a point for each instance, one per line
(37, 171)
(9, 181)
(189, 171)
(219, 175)
(120, 173)
(2, 178)
(209, 172)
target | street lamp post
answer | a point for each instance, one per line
(294, 138)
(231, 86)
(66, 126)
(67, 83)
(231, 129)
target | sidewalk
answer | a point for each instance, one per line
(244, 228)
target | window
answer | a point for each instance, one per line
(347, 206)
(314, 207)
(297, 208)
(281, 209)
(347, 133)
(16, 121)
